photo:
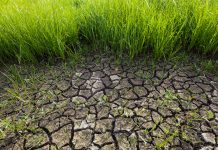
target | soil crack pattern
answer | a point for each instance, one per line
(105, 106)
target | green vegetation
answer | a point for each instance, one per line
(35, 29)
(209, 66)
(163, 143)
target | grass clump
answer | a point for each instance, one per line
(54, 28)
(209, 66)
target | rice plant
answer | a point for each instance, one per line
(35, 29)
(32, 29)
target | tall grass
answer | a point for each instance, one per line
(31, 28)
(52, 28)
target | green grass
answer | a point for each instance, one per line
(35, 29)
(209, 66)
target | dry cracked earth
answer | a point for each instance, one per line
(102, 105)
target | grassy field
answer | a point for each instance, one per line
(35, 29)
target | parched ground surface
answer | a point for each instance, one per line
(101, 105)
